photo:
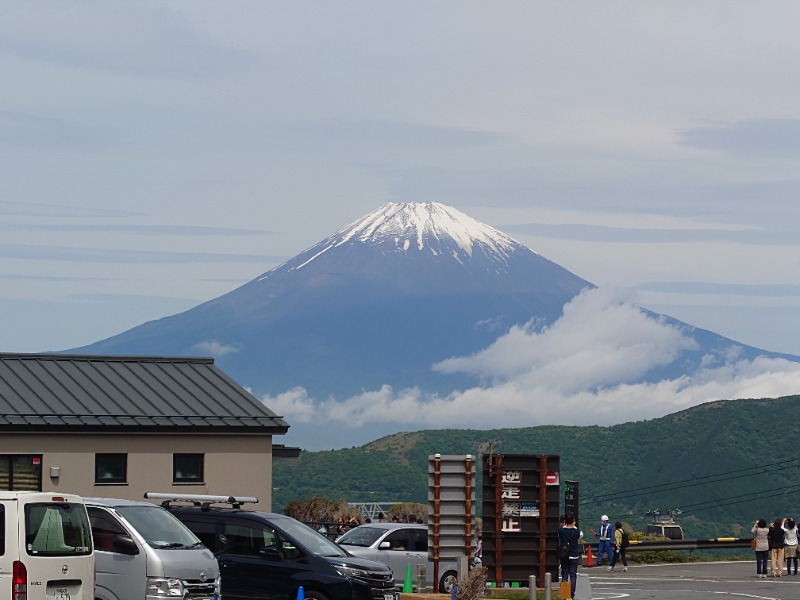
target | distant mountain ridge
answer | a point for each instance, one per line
(382, 301)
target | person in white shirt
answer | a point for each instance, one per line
(790, 548)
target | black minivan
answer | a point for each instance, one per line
(268, 556)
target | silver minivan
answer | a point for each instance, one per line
(142, 552)
(399, 545)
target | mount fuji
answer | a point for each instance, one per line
(412, 307)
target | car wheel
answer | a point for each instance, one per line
(447, 581)
(313, 595)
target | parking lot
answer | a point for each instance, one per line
(690, 581)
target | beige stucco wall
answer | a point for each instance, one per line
(234, 464)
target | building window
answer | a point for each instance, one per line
(111, 468)
(187, 468)
(22, 472)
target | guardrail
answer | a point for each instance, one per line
(696, 544)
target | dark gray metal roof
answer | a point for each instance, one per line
(116, 393)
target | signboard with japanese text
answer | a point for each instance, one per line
(572, 500)
(520, 516)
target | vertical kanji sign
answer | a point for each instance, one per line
(520, 516)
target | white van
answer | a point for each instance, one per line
(143, 552)
(45, 547)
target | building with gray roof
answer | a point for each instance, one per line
(123, 425)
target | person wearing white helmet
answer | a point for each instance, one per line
(605, 536)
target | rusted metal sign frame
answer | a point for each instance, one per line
(435, 543)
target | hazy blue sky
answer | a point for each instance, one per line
(154, 155)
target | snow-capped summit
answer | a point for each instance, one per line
(420, 249)
(418, 227)
(424, 226)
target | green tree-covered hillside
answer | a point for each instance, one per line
(724, 464)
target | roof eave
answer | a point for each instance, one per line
(140, 429)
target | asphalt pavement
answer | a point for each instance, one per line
(690, 581)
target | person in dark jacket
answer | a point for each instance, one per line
(776, 538)
(568, 535)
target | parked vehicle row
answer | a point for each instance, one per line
(254, 547)
(192, 547)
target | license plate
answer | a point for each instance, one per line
(388, 597)
(58, 593)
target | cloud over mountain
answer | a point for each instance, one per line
(586, 368)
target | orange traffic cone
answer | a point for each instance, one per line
(589, 559)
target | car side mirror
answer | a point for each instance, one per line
(124, 544)
(384, 546)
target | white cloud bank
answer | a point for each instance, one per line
(581, 370)
(215, 348)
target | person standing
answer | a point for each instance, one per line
(569, 536)
(776, 537)
(790, 546)
(477, 554)
(761, 536)
(620, 546)
(605, 535)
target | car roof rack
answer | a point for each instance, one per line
(203, 500)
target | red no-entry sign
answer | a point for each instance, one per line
(551, 478)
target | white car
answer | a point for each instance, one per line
(45, 547)
(398, 545)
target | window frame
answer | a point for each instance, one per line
(12, 463)
(105, 527)
(195, 479)
(119, 479)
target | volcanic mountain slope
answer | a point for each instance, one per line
(380, 302)
(376, 303)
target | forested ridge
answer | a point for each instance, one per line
(723, 463)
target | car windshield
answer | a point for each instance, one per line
(361, 536)
(314, 542)
(159, 528)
